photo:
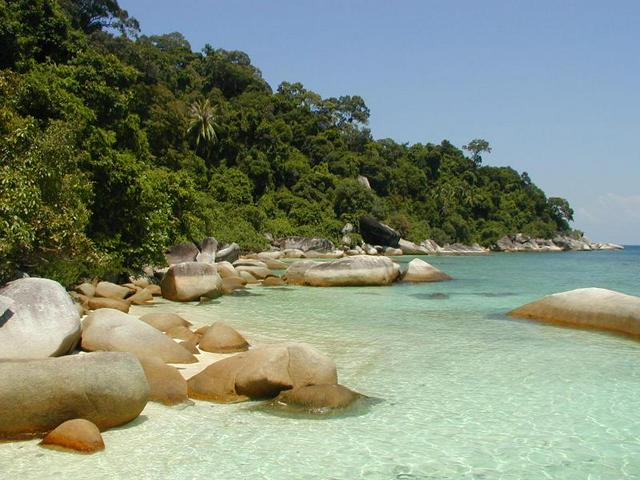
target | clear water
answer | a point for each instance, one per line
(468, 393)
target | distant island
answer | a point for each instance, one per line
(116, 146)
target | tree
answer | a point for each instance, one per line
(476, 147)
(95, 15)
(202, 123)
(561, 210)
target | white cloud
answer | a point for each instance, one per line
(610, 217)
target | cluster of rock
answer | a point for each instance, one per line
(560, 243)
(68, 378)
(206, 251)
(101, 294)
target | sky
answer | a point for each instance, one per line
(554, 86)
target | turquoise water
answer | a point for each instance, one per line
(468, 393)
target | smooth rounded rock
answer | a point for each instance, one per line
(262, 373)
(97, 303)
(226, 269)
(188, 282)
(86, 289)
(111, 290)
(295, 273)
(164, 321)
(359, 270)
(318, 397)
(221, 338)
(421, 271)
(79, 435)
(273, 282)
(588, 308)
(166, 385)
(38, 319)
(180, 332)
(113, 331)
(108, 389)
(258, 272)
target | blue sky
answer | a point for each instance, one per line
(553, 85)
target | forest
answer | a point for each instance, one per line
(115, 145)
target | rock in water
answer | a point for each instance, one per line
(587, 307)
(221, 338)
(182, 252)
(187, 282)
(113, 331)
(263, 373)
(358, 270)
(38, 319)
(295, 273)
(421, 271)
(166, 385)
(108, 389)
(316, 398)
(78, 434)
(273, 282)
(377, 233)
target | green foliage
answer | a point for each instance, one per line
(114, 147)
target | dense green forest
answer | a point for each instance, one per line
(115, 145)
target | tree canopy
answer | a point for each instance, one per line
(115, 145)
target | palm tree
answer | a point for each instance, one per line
(202, 123)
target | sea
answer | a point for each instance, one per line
(462, 390)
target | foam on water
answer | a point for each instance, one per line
(468, 393)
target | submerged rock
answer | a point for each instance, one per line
(316, 398)
(111, 330)
(108, 389)
(586, 307)
(421, 271)
(221, 338)
(187, 282)
(263, 373)
(79, 435)
(38, 319)
(358, 270)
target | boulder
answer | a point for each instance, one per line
(272, 255)
(317, 398)
(359, 270)
(182, 252)
(108, 389)
(274, 264)
(166, 385)
(111, 290)
(262, 373)
(410, 248)
(586, 307)
(180, 332)
(258, 272)
(305, 243)
(377, 233)
(86, 289)
(226, 269)
(292, 253)
(249, 262)
(164, 321)
(209, 246)
(273, 282)
(295, 273)
(187, 282)
(421, 271)
(113, 331)
(142, 282)
(221, 338)
(191, 346)
(231, 284)
(97, 303)
(38, 319)
(79, 435)
(364, 181)
(155, 290)
(228, 254)
(393, 252)
(247, 277)
(141, 297)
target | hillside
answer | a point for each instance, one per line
(115, 145)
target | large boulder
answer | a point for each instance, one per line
(97, 303)
(79, 435)
(410, 248)
(221, 338)
(257, 272)
(38, 319)
(263, 373)
(164, 321)
(113, 331)
(166, 385)
(305, 244)
(295, 273)
(358, 270)
(421, 271)
(182, 252)
(377, 233)
(186, 282)
(208, 249)
(226, 269)
(229, 253)
(108, 389)
(111, 290)
(586, 307)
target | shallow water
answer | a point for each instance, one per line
(468, 393)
